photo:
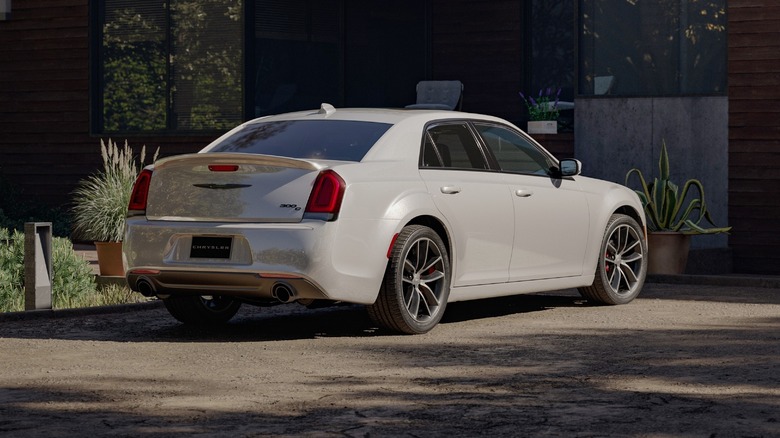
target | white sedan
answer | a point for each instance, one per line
(400, 210)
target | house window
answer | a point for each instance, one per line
(550, 33)
(298, 55)
(346, 53)
(660, 48)
(168, 66)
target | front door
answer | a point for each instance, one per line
(551, 214)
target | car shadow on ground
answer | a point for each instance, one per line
(296, 322)
(268, 324)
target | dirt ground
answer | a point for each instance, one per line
(680, 361)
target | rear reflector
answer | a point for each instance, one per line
(223, 167)
(327, 194)
(137, 205)
(144, 272)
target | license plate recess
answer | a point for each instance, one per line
(211, 247)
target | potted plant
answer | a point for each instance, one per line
(670, 220)
(100, 204)
(543, 112)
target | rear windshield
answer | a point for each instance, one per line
(309, 139)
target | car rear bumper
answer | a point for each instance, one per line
(340, 260)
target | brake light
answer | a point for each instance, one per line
(327, 194)
(140, 193)
(223, 167)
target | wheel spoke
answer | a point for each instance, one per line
(635, 257)
(428, 295)
(413, 304)
(628, 273)
(432, 277)
(431, 264)
(614, 279)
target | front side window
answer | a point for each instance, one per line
(514, 152)
(308, 139)
(659, 48)
(168, 66)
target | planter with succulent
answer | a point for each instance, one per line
(542, 111)
(672, 217)
(100, 204)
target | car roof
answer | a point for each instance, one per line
(380, 115)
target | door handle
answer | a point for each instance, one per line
(523, 193)
(450, 190)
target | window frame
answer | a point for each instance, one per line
(487, 153)
(533, 143)
(487, 160)
(97, 14)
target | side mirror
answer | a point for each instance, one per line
(570, 167)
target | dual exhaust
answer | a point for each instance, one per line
(280, 291)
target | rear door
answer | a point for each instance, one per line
(474, 200)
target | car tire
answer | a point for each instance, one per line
(622, 265)
(416, 285)
(202, 310)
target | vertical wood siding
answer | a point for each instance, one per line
(754, 134)
(45, 141)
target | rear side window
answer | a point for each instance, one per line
(342, 140)
(451, 145)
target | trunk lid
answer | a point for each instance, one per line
(229, 187)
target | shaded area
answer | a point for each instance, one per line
(537, 365)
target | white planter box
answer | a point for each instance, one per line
(543, 127)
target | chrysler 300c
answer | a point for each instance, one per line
(400, 210)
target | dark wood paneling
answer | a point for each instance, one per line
(754, 135)
(45, 142)
(481, 44)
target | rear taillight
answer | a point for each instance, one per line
(326, 195)
(140, 193)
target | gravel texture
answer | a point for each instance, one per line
(680, 361)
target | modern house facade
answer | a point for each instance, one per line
(703, 76)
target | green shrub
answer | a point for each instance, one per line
(72, 277)
(11, 272)
(73, 283)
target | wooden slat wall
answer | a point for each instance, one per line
(480, 44)
(754, 134)
(45, 144)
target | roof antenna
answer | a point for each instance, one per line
(326, 108)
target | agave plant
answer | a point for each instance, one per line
(664, 202)
(100, 201)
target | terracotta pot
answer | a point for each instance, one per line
(668, 252)
(110, 259)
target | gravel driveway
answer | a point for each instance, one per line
(682, 361)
